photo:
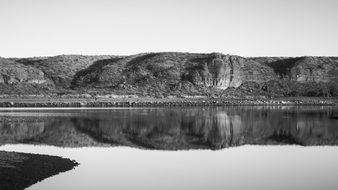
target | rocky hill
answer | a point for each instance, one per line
(16, 78)
(61, 69)
(305, 76)
(171, 74)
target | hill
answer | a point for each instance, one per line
(61, 69)
(171, 74)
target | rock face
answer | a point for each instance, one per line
(61, 69)
(311, 69)
(304, 69)
(303, 76)
(16, 78)
(224, 71)
(166, 74)
(13, 73)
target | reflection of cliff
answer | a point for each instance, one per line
(42, 130)
(16, 129)
(163, 129)
(171, 129)
(292, 127)
(312, 131)
(210, 128)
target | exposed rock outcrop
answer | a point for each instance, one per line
(304, 69)
(171, 74)
(61, 69)
(224, 71)
(314, 69)
(302, 76)
(12, 73)
(16, 78)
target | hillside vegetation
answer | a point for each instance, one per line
(171, 74)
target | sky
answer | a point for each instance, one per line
(123, 27)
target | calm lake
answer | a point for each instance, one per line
(239, 147)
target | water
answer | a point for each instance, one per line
(132, 148)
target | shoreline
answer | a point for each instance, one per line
(164, 102)
(22, 170)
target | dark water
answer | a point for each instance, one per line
(172, 128)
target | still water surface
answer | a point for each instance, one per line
(132, 148)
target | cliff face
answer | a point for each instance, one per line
(173, 72)
(162, 74)
(224, 71)
(304, 69)
(312, 69)
(61, 69)
(302, 76)
(12, 73)
(16, 78)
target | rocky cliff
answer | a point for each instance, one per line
(176, 74)
(172, 73)
(304, 69)
(306, 76)
(16, 78)
(61, 69)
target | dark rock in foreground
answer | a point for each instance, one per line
(19, 171)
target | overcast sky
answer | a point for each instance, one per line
(121, 27)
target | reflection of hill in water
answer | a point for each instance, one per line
(171, 129)
(56, 131)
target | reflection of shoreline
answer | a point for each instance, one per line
(174, 128)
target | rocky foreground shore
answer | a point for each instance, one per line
(19, 171)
